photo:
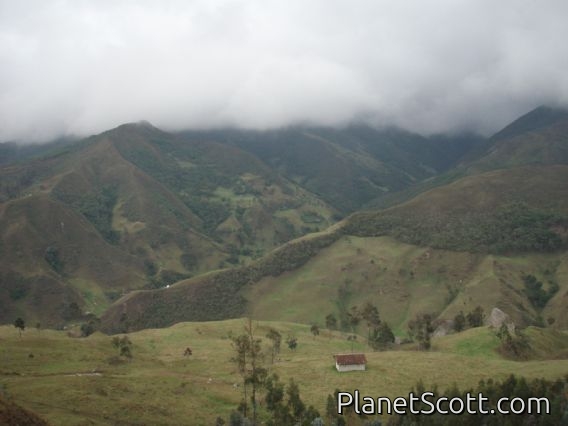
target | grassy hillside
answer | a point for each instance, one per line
(160, 208)
(53, 258)
(74, 381)
(404, 280)
(455, 247)
(216, 295)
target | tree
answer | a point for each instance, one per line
(53, 258)
(370, 314)
(331, 322)
(241, 346)
(292, 343)
(236, 419)
(248, 359)
(353, 318)
(297, 407)
(274, 392)
(331, 410)
(315, 330)
(514, 345)
(382, 336)
(20, 324)
(276, 338)
(123, 345)
(459, 322)
(475, 317)
(88, 328)
(286, 406)
(421, 329)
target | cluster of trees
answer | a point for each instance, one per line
(422, 326)
(514, 344)
(53, 258)
(97, 207)
(473, 319)
(89, 327)
(535, 292)
(494, 390)
(282, 405)
(379, 333)
(515, 227)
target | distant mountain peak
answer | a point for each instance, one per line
(142, 124)
(538, 118)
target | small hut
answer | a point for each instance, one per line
(350, 362)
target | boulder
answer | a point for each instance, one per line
(498, 318)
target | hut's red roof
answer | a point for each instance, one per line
(350, 359)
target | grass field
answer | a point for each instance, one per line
(70, 381)
(404, 280)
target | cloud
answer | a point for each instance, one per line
(80, 67)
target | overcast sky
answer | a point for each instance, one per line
(81, 67)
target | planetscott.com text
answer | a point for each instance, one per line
(428, 403)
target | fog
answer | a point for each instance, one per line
(81, 67)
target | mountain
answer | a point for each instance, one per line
(488, 236)
(131, 208)
(449, 249)
(538, 137)
(127, 213)
(349, 167)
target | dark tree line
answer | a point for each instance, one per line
(511, 387)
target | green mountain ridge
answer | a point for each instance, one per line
(515, 213)
(218, 211)
(153, 209)
(348, 167)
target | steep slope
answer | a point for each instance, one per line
(348, 167)
(216, 295)
(54, 261)
(189, 203)
(538, 137)
(404, 280)
(474, 240)
(240, 201)
(135, 208)
(511, 210)
(471, 246)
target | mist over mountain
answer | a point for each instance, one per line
(86, 222)
(73, 68)
(201, 201)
